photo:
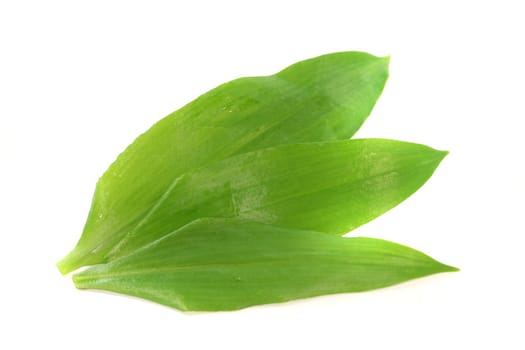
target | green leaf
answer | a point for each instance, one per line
(322, 99)
(219, 264)
(328, 187)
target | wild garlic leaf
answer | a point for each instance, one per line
(329, 187)
(220, 264)
(321, 99)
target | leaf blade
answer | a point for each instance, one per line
(328, 187)
(321, 99)
(225, 264)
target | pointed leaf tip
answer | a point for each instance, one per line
(448, 268)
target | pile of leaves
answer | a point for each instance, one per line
(242, 196)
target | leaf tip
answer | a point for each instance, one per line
(441, 267)
(437, 155)
(452, 268)
(442, 154)
(386, 59)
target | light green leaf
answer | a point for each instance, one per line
(328, 187)
(322, 99)
(219, 264)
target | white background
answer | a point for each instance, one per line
(80, 80)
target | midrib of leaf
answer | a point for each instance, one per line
(293, 259)
(182, 267)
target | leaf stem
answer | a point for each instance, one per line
(74, 260)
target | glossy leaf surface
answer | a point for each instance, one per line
(322, 99)
(219, 264)
(328, 187)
